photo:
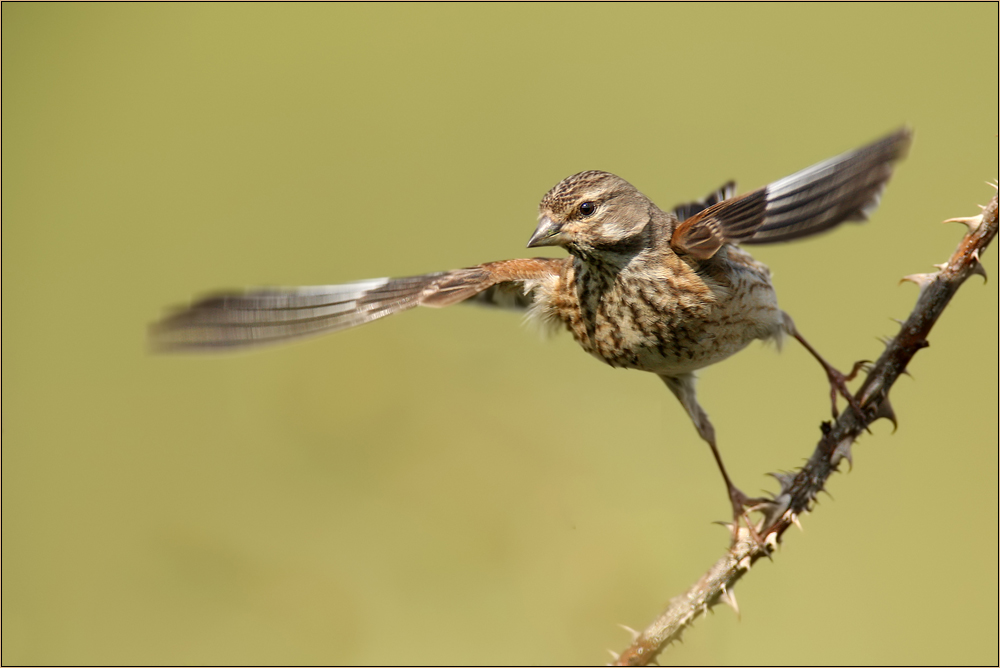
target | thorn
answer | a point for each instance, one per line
(992, 184)
(635, 634)
(772, 541)
(614, 655)
(843, 451)
(898, 321)
(972, 222)
(979, 269)
(885, 411)
(922, 280)
(795, 520)
(744, 564)
(729, 598)
(884, 340)
(784, 478)
(727, 525)
(942, 266)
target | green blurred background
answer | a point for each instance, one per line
(436, 488)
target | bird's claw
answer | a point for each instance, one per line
(838, 385)
(742, 504)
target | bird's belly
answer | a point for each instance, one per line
(666, 353)
(671, 323)
(707, 347)
(672, 341)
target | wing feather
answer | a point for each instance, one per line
(688, 209)
(242, 319)
(846, 187)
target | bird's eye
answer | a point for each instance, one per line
(587, 208)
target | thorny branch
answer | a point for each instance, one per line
(799, 489)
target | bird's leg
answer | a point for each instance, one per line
(838, 381)
(683, 388)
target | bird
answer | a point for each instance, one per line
(666, 292)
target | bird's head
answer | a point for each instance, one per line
(592, 212)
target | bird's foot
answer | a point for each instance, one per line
(838, 385)
(742, 505)
(838, 380)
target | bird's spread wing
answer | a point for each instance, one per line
(688, 209)
(847, 187)
(243, 319)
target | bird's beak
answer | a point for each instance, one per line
(547, 234)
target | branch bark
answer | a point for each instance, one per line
(799, 489)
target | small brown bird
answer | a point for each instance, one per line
(664, 292)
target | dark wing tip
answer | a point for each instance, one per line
(726, 191)
(844, 188)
